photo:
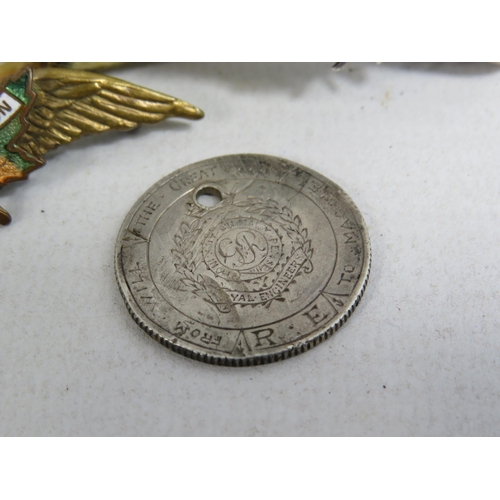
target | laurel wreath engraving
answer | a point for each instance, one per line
(185, 265)
(290, 223)
(188, 234)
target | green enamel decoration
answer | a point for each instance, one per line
(18, 88)
(8, 132)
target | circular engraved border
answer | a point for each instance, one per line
(362, 231)
(296, 347)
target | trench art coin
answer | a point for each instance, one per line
(242, 260)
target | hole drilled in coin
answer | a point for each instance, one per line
(208, 197)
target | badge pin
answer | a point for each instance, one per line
(43, 108)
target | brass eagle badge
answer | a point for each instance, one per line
(42, 108)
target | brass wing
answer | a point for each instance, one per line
(72, 103)
(42, 108)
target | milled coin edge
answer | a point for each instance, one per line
(292, 350)
(247, 361)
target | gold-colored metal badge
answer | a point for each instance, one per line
(42, 108)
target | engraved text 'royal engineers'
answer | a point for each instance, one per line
(276, 265)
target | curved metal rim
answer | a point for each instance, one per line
(294, 349)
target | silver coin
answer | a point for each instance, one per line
(242, 259)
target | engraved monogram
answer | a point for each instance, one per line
(238, 283)
(241, 253)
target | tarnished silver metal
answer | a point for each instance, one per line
(274, 267)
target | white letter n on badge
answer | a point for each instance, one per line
(8, 107)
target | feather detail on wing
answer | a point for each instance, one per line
(72, 103)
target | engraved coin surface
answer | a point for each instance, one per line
(273, 265)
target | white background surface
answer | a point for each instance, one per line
(416, 146)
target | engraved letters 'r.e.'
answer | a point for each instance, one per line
(264, 335)
(315, 315)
